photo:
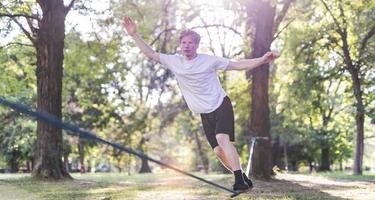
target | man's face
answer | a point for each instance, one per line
(188, 46)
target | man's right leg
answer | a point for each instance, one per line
(222, 158)
(231, 154)
(219, 130)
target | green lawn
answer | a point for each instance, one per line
(105, 186)
(367, 176)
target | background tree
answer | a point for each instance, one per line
(17, 133)
(109, 87)
(46, 32)
(312, 43)
(264, 20)
(352, 43)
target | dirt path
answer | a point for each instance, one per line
(361, 190)
(284, 186)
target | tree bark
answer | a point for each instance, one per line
(49, 47)
(66, 163)
(13, 162)
(360, 120)
(145, 168)
(341, 167)
(261, 14)
(276, 153)
(28, 166)
(311, 165)
(360, 108)
(286, 161)
(81, 152)
(325, 164)
(118, 166)
(203, 157)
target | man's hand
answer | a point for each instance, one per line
(130, 26)
(270, 56)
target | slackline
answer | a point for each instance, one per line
(76, 131)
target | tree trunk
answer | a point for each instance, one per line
(203, 157)
(129, 164)
(294, 165)
(262, 15)
(341, 167)
(360, 120)
(276, 153)
(118, 166)
(145, 168)
(286, 157)
(28, 166)
(325, 164)
(49, 47)
(311, 165)
(81, 152)
(13, 162)
(66, 163)
(360, 109)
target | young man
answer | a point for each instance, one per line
(202, 91)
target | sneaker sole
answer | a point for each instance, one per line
(238, 192)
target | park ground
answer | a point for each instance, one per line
(172, 186)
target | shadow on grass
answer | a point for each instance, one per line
(283, 189)
(67, 189)
(87, 186)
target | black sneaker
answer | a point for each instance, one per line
(247, 180)
(240, 187)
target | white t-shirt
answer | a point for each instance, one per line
(198, 80)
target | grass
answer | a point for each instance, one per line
(110, 186)
(367, 176)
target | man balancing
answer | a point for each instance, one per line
(203, 93)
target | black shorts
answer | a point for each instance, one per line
(219, 121)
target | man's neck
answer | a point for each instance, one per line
(191, 57)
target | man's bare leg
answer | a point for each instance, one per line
(226, 163)
(229, 151)
(221, 156)
(233, 160)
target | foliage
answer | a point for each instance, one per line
(18, 83)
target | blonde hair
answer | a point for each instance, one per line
(195, 35)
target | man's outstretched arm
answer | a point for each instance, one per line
(131, 29)
(248, 64)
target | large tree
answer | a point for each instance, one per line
(46, 31)
(263, 22)
(353, 36)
